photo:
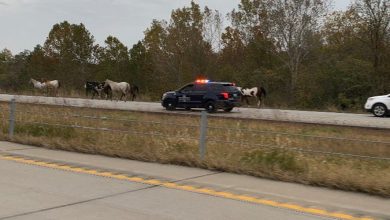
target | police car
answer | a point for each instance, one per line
(203, 94)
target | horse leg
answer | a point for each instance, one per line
(260, 100)
(247, 100)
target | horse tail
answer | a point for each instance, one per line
(128, 88)
(136, 89)
(59, 84)
(263, 91)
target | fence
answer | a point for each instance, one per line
(205, 134)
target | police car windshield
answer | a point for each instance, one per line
(186, 87)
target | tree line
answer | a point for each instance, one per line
(304, 54)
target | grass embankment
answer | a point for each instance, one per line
(165, 142)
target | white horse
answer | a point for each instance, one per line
(258, 92)
(118, 87)
(37, 84)
(52, 85)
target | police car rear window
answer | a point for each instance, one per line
(229, 88)
(223, 88)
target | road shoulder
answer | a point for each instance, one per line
(307, 196)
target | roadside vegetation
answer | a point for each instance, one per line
(305, 54)
(277, 150)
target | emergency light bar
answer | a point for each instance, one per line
(202, 81)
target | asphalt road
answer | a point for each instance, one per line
(35, 189)
(329, 118)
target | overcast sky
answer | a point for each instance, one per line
(26, 23)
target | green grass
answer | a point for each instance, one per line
(282, 160)
(45, 131)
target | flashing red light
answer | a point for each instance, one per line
(225, 95)
(202, 81)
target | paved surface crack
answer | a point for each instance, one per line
(102, 197)
(19, 149)
(76, 203)
(195, 177)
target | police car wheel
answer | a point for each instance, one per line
(170, 105)
(210, 107)
(228, 109)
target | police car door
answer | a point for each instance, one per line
(184, 97)
(198, 93)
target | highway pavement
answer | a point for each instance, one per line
(38, 183)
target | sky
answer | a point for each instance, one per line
(26, 23)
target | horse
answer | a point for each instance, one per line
(37, 84)
(118, 87)
(258, 92)
(52, 85)
(95, 87)
(134, 91)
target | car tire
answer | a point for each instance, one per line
(228, 109)
(210, 107)
(170, 105)
(379, 110)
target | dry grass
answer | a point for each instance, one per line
(71, 94)
(179, 145)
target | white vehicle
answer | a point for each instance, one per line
(378, 105)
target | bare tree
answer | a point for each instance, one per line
(291, 23)
(375, 18)
(250, 19)
(212, 28)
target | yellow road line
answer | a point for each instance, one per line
(166, 184)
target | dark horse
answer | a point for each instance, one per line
(97, 88)
(134, 91)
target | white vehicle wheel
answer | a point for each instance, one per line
(379, 110)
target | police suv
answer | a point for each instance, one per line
(203, 94)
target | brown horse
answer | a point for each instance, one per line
(52, 85)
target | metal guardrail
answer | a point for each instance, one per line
(203, 131)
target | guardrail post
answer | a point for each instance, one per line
(203, 135)
(12, 119)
